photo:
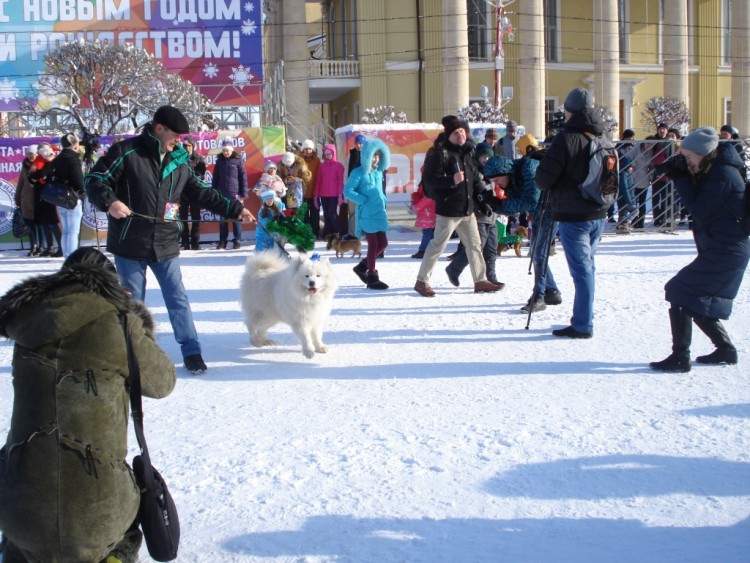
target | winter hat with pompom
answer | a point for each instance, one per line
(270, 165)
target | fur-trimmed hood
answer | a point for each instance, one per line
(46, 308)
(368, 151)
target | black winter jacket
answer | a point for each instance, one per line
(440, 164)
(133, 173)
(714, 198)
(66, 168)
(566, 165)
(229, 176)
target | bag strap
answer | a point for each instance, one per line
(136, 406)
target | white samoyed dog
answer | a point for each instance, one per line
(298, 292)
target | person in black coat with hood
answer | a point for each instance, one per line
(581, 221)
(709, 178)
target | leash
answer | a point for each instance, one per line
(163, 220)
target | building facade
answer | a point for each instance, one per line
(428, 58)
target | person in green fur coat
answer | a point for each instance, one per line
(66, 491)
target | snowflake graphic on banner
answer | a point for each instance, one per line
(210, 70)
(249, 27)
(8, 90)
(249, 7)
(241, 76)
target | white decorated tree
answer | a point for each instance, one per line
(671, 111)
(383, 115)
(483, 112)
(110, 88)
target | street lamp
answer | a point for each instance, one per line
(503, 29)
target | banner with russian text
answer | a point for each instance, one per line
(215, 44)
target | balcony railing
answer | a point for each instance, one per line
(333, 69)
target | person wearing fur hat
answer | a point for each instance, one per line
(139, 183)
(708, 176)
(451, 174)
(365, 188)
(67, 492)
(294, 172)
(580, 221)
(191, 232)
(311, 158)
(271, 208)
(230, 178)
(329, 189)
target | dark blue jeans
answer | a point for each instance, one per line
(168, 274)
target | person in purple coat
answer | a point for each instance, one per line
(230, 179)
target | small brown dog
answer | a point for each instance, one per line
(514, 241)
(343, 246)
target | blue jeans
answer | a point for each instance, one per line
(427, 234)
(133, 276)
(236, 231)
(543, 278)
(579, 241)
(488, 238)
(71, 227)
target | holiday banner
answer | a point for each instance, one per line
(255, 145)
(408, 144)
(215, 44)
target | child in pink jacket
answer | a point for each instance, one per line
(329, 187)
(424, 207)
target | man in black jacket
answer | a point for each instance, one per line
(191, 233)
(139, 183)
(581, 221)
(450, 173)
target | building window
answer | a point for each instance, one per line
(357, 114)
(623, 27)
(552, 30)
(332, 43)
(726, 32)
(728, 110)
(550, 106)
(480, 29)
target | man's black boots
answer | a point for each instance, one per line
(725, 352)
(682, 332)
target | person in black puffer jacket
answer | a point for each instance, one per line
(230, 179)
(580, 221)
(452, 176)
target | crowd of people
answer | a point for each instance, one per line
(69, 323)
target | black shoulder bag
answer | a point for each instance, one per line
(157, 513)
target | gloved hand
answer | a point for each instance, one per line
(486, 202)
(674, 167)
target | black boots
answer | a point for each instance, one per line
(361, 270)
(35, 251)
(373, 281)
(725, 352)
(682, 332)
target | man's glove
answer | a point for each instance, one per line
(486, 202)
(673, 168)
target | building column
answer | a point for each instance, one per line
(456, 57)
(675, 59)
(296, 73)
(531, 67)
(607, 57)
(741, 67)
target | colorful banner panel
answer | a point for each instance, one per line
(215, 44)
(255, 145)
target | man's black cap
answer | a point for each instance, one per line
(172, 117)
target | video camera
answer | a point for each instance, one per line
(91, 144)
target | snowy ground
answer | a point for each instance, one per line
(441, 430)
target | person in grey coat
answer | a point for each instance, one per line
(708, 177)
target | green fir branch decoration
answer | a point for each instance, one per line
(293, 229)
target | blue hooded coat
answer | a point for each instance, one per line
(708, 285)
(365, 188)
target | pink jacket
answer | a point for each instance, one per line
(330, 179)
(425, 209)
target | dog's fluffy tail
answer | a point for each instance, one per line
(265, 262)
